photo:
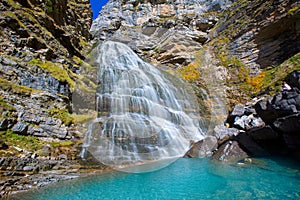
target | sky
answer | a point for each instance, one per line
(96, 6)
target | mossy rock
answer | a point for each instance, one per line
(63, 115)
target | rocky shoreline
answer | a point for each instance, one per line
(23, 174)
(264, 127)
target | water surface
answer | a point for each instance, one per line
(185, 179)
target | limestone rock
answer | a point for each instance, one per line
(248, 122)
(222, 133)
(265, 40)
(20, 128)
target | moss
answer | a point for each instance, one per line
(14, 88)
(86, 66)
(78, 119)
(293, 10)
(48, 6)
(156, 50)
(62, 144)
(55, 70)
(275, 75)
(29, 143)
(62, 114)
(13, 3)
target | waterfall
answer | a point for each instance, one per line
(146, 117)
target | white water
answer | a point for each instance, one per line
(144, 115)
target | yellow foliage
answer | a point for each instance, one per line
(256, 82)
(189, 72)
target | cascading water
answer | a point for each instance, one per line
(146, 118)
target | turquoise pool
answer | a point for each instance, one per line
(185, 179)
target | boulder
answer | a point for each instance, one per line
(237, 111)
(222, 133)
(283, 104)
(248, 122)
(203, 148)
(263, 133)
(55, 131)
(264, 110)
(230, 152)
(289, 124)
(28, 168)
(250, 146)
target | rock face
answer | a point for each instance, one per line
(164, 32)
(274, 128)
(43, 44)
(266, 37)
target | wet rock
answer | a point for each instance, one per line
(230, 152)
(292, 141)
(20, 128)
(203, 148)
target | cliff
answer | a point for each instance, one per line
(242, 38)
(43, 44)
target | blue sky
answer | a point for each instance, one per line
(96, 6)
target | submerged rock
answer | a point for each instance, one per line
(203, 148)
